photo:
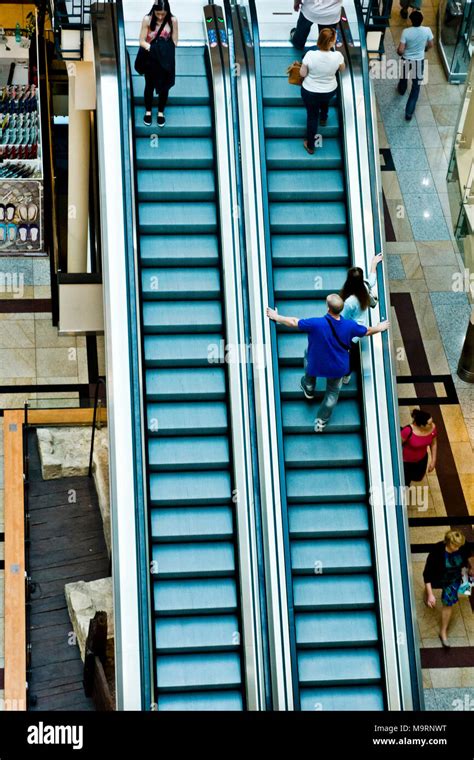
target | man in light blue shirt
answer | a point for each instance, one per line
(414, 43)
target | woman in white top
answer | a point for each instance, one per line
(318, 70)
(356, 296)
(160, 71)
(324, 13)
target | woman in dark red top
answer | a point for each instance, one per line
(416, 439)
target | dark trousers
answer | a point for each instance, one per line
(411, 70)
(415, 471)
(316, 103)
(149, 92)
(303, 28)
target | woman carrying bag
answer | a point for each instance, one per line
(318, 70)
(156, 57)
(417, 438)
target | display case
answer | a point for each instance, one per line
(455, 37)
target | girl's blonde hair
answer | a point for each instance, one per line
(455, 538)
(326, 39)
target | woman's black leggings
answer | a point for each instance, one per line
(149, 92)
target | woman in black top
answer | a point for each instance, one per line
(443, 570)
(159, 37)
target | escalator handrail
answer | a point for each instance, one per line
(388, 363)
(132, 246)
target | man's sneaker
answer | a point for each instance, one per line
(161, 121)
(308, 394)
(319, 425)
(346, 379)
(147, 119)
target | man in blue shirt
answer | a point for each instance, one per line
(414, 43)
(327, 355)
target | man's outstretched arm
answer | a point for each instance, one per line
(280, 319)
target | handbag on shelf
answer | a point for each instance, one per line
(293, 72)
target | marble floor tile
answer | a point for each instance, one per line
(445, 115)
(399, 218)
(83, 372)
(412, 267)
(17, 293)
(417, 182)
(426, 317)
(101, 354)
(56, 380)
(463, 457)
(42, 291)
(406, 138)
(430, 137)
(430, 228)
(455, 424)
(409, 286)
(395, 267)
(437, 160)
(414, 159)
(443, 95)
(17, 334)
(424, 116)
(400, 247)
(452, 312)
(442, 278)
(41, 272)
(47, 336)
(436, 357)
(17, 363)
(20, 316)
(391, 186)
(57, 362)
(430, 257)
(436, 73)
(426, 679)
(17, 400)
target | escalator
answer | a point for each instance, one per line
(196, 596)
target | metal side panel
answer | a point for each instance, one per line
(125, 491)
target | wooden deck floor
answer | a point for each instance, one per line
(67, 544)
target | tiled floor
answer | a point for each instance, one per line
(423, 259)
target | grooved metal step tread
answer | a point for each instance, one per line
(182, 316)
(185, 384)
(188, 672)
(308, 282)
(179, 250)
(343, 698)
(281, 121)
(334, 450)
(290, 154)
(190, 488)
(298, 417)
(216, 633)
(297, 186)
(339, 666)
(307, 250)
(190, 453)
(323, 485)
(336, 629)
(328, 520)
(331, 555)
(307, 217)
(176, 184)
(193, 560)
(184, 350)
(174, 153)
(201, 283)
(188, 90)
(203, 596)
(333, 592)
(201, 700)
(187, 418)
(173, 524)
(181, 121)
(191, 218)
(290, 378)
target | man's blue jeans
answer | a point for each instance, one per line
(411, 70)
(331, 397)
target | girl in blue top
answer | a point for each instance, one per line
(356, 296)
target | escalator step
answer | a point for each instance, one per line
(298, 417)
(336, 592)
(334, 450)
(290, 379)
(179, 316)
(321, 486)
(278, 92)
(307, 217)
(203, 701)
(175, 283)
(193, 560)
(184, 351)
(197, 597)
(179, 250)
(330, 555)
(216, 633)
(308, 282)
(328, 520)
(301, 250)
(282, 122)
(187, 418)
(191, 218)
(174, 153)
(174, 184)
(181, 121)
(193, 453)
(191, 524)
(327, 185)
(187, 91)
(343, 698)
(336, 629)
(181, 384)
(339, 666)
(190, 488)
(188, 672)
(290, 154)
